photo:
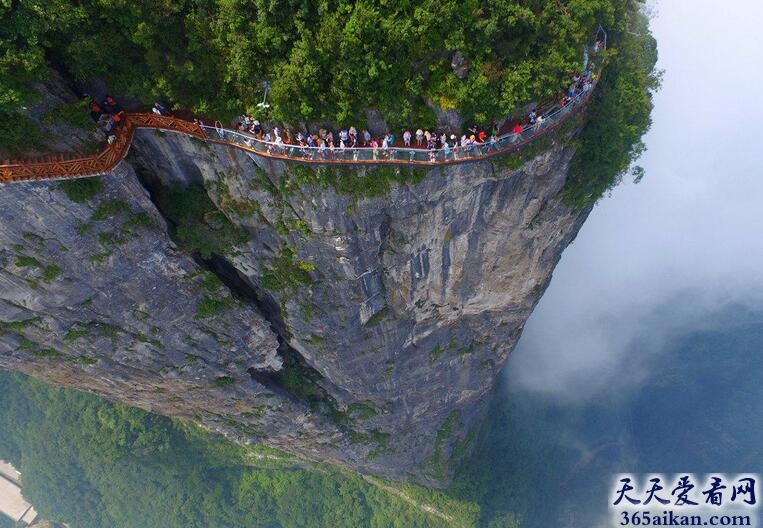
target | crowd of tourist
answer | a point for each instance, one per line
(108, 115)
(350, 144)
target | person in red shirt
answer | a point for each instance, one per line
(517, 130)
(95, 112)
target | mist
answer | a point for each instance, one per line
(661, 257)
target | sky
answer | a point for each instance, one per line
(688, 236)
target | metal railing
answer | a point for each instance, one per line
(547, 120)
(54, 167)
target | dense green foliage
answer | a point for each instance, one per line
(287, 272)
(82, 189)
(93, 463)
(619, 111)
(200, 227)
(326, 60)
(330, 60)
(367, 182)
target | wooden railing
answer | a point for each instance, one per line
(62, 166)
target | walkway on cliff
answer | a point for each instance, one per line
(63, 166)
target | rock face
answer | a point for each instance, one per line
(395, 312)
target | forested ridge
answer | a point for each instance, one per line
(328, 61)
(93, 463)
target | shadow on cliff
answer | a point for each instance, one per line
(296, 379)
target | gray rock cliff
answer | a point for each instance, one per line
(371, 311)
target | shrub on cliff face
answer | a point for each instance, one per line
(199, 227)
(82, 189)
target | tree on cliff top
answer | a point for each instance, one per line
(331, 60)
(327, 60)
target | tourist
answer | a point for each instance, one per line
(95, 112)
(419, 137)
(517, 131)
(160, 109)
(407, 138)
(431, 149)
(112, 106)
(105, 123)
(342, 146)
(220, 129)
(279, 149)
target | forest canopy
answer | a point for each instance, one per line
(93, 463)
(330, 61)
(325, 60)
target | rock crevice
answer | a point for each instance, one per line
(389, 313)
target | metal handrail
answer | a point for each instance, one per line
(399, 155)
(57, 167)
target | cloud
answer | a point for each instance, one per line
(687, 237)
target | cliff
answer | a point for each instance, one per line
(361, 320)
